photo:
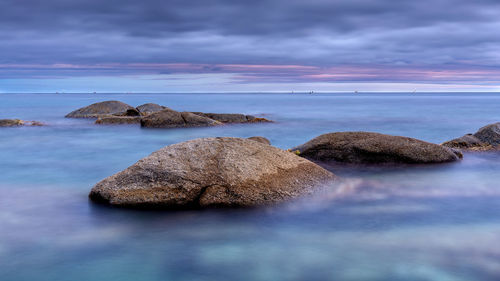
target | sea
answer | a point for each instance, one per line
(407, 222)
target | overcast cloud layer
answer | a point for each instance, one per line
(259, 41)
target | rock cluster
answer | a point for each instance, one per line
(156, 116)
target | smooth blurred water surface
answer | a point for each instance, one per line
(437, 222)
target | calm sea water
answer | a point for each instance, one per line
(438, 222)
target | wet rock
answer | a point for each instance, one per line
(100, 109)
(212, 172)
(373, 148)
(169, 118)
(260, 139)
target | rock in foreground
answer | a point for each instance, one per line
(100, 109)
(212, 172)
(373, 148)
(486, 138)
(169, 118)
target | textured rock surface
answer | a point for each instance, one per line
(489, 134)
(212, 172)
(486, 138)
(118, 120)
(149, 108)
(260, 139)
(468, 142)
(102, 108)
(168, 118)
(372, 148)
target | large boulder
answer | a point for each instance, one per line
(373, 148)
(100, 109)
(149, 108)
(232, 117)
(212, 172)
(486, 138)
(169, 118)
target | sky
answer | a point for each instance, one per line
(249, 46)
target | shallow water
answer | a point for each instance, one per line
(435, 222)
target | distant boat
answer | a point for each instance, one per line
(311, 92)
(355, 92)
(414, 91)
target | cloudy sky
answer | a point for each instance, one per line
(242, 45)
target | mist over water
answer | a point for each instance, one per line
(435, 222)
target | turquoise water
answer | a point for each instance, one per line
(437, 222)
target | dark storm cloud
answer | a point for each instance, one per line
(379, 35)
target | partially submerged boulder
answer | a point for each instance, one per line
(232, 117)
(169, 118)
(260, 139)
(118, 120)
(468, 142)
(18, 122)
(212, 172)
(149, 108)
(11, 122)
(373, 148)
(100, 109)
(486, 138)
(489, 134)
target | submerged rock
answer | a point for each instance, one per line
(100, 109)
(211, 172)
(373, 148)
(11, 122)
(169, 118)
(260, 139)
(232, 117)
(149, 108)
(118, 120)
(18, 122)
(486, 138)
